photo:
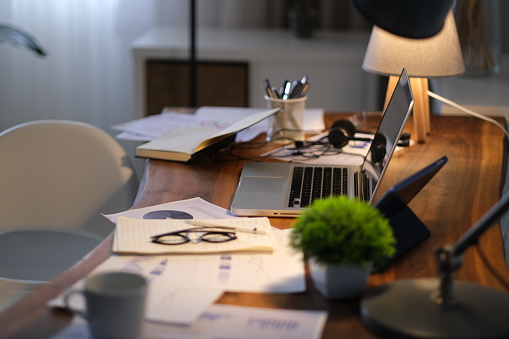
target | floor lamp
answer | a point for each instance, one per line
(192, 53)
(438, 56)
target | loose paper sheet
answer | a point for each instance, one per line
(195, 208)
(175, 276)
(352, 154)
(218, 118)
(228, 321)
(281, 271)
(164, 303)
(154, 126)
(183, 286)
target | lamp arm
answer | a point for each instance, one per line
(449, 257)
(473, 234)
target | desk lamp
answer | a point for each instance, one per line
(441, 308)
(437, 56)
(414, 19)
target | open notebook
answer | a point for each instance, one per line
(133, 236)
(270, 188)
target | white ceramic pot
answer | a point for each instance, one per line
(339, 281)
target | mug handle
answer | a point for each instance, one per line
(67, 296)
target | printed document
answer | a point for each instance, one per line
(194, 208)
(228, 321)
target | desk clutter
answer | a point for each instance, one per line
(178, 136)
(185, 283)
(206, 119)
(166, 272)
(185, 142)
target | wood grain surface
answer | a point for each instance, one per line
(456, 197)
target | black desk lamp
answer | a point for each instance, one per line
(441, 308)
(414, 19)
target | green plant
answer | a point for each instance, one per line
(20, 38)
(339, 230)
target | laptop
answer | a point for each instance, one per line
(266, 188)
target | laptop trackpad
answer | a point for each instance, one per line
(262, 184)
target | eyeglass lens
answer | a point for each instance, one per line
(182, 238)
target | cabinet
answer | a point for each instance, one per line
(218, 84)
(234, 63)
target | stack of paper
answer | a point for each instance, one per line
(218, 118)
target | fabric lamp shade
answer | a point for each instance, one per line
(438, 56)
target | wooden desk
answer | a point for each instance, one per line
(456, 198)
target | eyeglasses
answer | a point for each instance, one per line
(206, 234)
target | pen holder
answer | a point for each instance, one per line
(287, 124)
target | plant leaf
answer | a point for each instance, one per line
(20, 38)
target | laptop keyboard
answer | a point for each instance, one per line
(310, 183)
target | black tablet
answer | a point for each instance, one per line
(407, 228)
(399, 195)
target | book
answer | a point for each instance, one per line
(133, 236)
(186, 142)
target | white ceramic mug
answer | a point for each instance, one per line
(115, 304)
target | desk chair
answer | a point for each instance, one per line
(56, 178)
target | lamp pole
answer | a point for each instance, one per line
(192, 54)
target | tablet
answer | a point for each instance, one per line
(407, 228)
(399, 195)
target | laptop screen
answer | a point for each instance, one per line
(389, 130)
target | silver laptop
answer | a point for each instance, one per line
(285, 189)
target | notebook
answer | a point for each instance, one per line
(266, 189)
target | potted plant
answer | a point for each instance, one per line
(341, 238)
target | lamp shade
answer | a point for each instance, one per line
(415, 19)
(438, 56)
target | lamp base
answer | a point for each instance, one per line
(421, 110)
(405, 309)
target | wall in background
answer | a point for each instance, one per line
(88, 73)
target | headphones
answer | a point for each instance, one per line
(378, 148)
(341, 132)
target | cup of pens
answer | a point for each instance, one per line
(287, 124)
